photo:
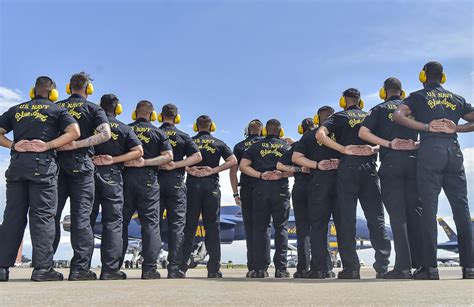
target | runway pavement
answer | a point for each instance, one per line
(234, 289)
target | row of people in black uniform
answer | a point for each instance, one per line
(141, 168)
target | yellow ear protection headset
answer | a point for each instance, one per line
(343, 103)
(89, 88)
(53, 93)
(281, 133)
(422, 76)
(383, 94)
(177, 118)
(153, 115)
(118, 109)
(212, 128)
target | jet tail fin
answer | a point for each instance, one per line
(449, 232)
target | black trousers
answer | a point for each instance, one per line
(31, 192)
(299, 197)
(400, 196)
(141, 192)
(271, 201)
(173, 199)
(440, 165)
(79, 188)
(321, 204)
(359, 181)
(246, 199)
(109, 196)
(204, 197)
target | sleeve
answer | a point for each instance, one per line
(238, 152)
(410, 103)
(250, 152)
(332, 123)
(100, 117)
(371, 119)
(286, 158)
(6, 121)
(466, 108)
(165, 141)
(302, 145)
(131, 140)
(64, 119)
(225, 151)
(190, 148)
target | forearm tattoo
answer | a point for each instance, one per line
(102, 135)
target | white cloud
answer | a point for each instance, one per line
(9, 98)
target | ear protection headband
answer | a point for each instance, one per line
(89, 88)
(177, 118)
(153, 115)
(343, 103)
(383, 94)
(280, 134)
(422, 76)
(246, 130)
(300, 129)
(53, 93)
(212, 128)
(118, 109)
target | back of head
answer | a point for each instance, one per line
(79, 81)
(307, 124)
(144, 109)
(434, 71)
(43, 85)
(169, 111)
(109, 103)
(324, 112)
(352, 95)
(273, 126)
(204, 123)
(392, 84)
(255, 127)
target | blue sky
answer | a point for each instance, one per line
(234, 60)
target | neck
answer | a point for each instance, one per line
(79, 93)
(111, 114)
(168, 121)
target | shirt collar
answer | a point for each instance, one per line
(203, 133)
(272, 136)
(142, 120)
(433, 85)
(167, 125)
(353, 107)
(394, 97)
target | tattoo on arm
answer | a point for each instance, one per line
(164, 158)
(103, 135)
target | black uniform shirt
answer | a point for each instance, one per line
(266, 153)
(88, 115)
(36, 119)
(345, 125)
(181, 143)
(122, 141)
(434, 102)
(314, 150)
(212, 150)
(154, 140)
(239, 149)
(380, 122)
(286, 160)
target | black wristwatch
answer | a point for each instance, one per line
(13, 146)
(297, 169)
(236, 195)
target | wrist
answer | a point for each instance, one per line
(12, 147)
(236, 195)
(426, 127)
(296, 169)
(315, 164)
(389, 145)
(260, 176)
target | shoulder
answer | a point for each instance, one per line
(182, 134)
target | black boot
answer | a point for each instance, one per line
(300, 274)
(176, 274)
(4, 274)
(346, 274)
(249, 273)
(380, 275)
(468, 273)
(426, 274)
(118, 275)
(330, 274)
(153, 274)
(282, 273)
(259, 274)
(316, 275)
(217, 274)
(82, 275)
(46, 275)
(395, 274)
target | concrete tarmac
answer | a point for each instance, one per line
(235, 289)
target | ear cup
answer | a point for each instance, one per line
(160, 118)
(90, 89)
(177, 119)
(382, 93)
(32, 92)
(282, 132)
(134, 115)
(316, 120)
(213, 127)
(68, 89)
(118, 109)
(195, 127)
(342, 102)
(443, 78)
(361, 103)
(153, 116)
(264, 131)
(403, 95)
(422, 76)
(300, 129)
(53, 95)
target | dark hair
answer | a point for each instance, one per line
(203, 122)
(392, 84)
(326, 108)
(79, 81)
(307, 124)
(44, 83)
(109, 102)
(351, 93)
(169, 110)
(255, 126)
(144, 107)
(273, 126)
(434, 71)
